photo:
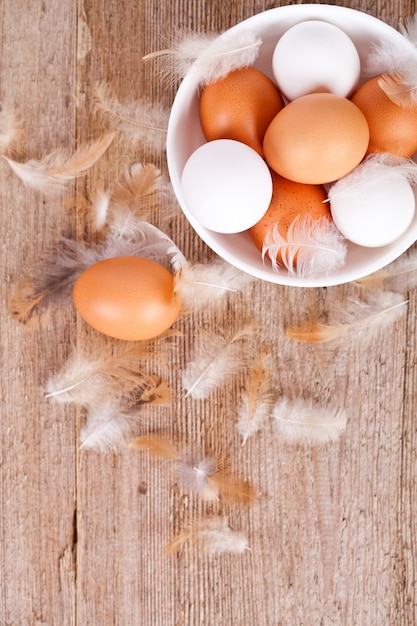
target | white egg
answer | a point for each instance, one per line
(377, 212)
(315, 56)
(226, 186)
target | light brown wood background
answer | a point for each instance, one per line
(83, 534)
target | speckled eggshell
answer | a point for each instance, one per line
(128, 298)
(240, 106)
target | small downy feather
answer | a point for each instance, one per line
(217, 358)
(202, 284)
(400, 274)
(363, 320)
(212, 536)
(303, 421)
(374, 169)
(312, 247)
(51, 174)
(208, 57)
(399, 79)
(116, 370)
(140, 122)
(112, 425)
(257, 399)
(137, 198)
(197, 473)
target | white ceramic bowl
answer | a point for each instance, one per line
(185, 136)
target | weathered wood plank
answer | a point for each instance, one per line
(84, 533)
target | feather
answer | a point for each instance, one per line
(10, 129)
(197, 473)
(212, 536)
(111, 426)
(312, 247)
(201, 284)
(99, 209)
(52, 173)
(217, 358)
(303, 421)
(208, 57)
(399, 78)
(137, 197)
(156, 446)
(400, 274)
(358, 187)
(257, 399)
(117, 369)
(108, 427)
(363, 319)
(140, 122)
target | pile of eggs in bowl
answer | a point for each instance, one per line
(307, 161)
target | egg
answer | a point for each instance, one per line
(315, 56)
(375, 212)
(392, 128)
(226, 186)
(239, 106)
(128, 298)
(316, 139)
(289, 200)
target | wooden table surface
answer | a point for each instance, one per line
(84, 532)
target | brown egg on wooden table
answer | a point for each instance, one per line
(392, 128)
(316, 139)
(129, 298)
(239, 106)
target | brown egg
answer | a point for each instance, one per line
(128, 298)
(316, 139)
(289, 200)
(392, 128)
(240, 106)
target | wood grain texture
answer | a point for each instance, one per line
(83, 533)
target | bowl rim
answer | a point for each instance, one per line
(187, 95)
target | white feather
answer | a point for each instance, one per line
(52, 173)
(213, 536)
(217, 358)
(202, 284)
(140, 122)
(208, 57)
(108, 427)
(312, 247)
(303, 421)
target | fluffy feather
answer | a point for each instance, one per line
(207, 56)
(363, 319)
(51, 174)
(197, 473)
(312, 247)
(140, 122)
(213, 536)
(303, 421)
(116, 370)
(257, 399)
(201, 284)
(399, 78)
(376, 169)
(400, 274)
(110, 426)
(217, 358)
